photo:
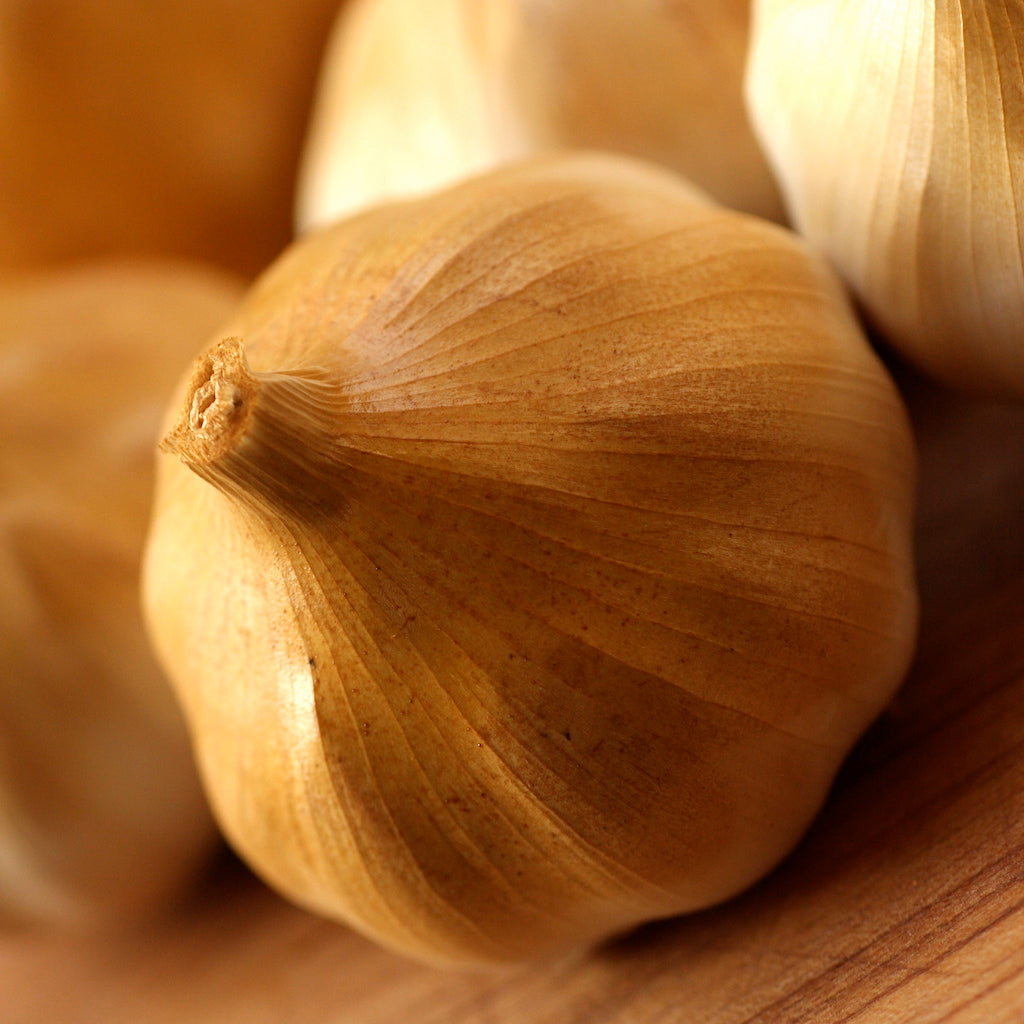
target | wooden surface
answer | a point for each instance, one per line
(905, 902)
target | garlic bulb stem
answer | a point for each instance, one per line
(261, 438)
(218, 401)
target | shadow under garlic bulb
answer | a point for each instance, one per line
(528, 556)
(102, 817)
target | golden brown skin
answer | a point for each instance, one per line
(540, 549)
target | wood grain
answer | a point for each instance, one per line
(904, 902)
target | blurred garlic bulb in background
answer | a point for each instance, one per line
(101, 814)
(170, 128)
(897, 134)
(528, 556)
(416, 94)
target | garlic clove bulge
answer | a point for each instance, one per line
(528, 556)
(417, 94)
(897, 135)
(102, 818)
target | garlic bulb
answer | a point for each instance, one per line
(102, 817)
(897, 134)
(527, 557)
(160, 127)
(417, 94)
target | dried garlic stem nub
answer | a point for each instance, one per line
(262, 438)
(218, 403)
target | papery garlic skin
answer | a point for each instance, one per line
(102, 818)
(527, 557)
(418, 94)
(897, 135)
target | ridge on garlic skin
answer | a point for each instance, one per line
(528, 556)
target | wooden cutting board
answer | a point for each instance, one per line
(905, 902)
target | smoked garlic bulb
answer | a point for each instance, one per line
(417, 94)
(528, 556)
(897, 134)
(102, 817)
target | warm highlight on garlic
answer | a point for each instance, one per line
(102, 818)
(527, 557)
(897, 133)
(418, 94)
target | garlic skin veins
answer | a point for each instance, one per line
(103, 821)
(528, 556)
(896, 132)
(415, 95)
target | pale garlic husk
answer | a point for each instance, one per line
(897, 135)
(418, 94)
(527, 557)
(103, 820)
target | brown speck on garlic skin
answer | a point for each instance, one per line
(564, 554)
